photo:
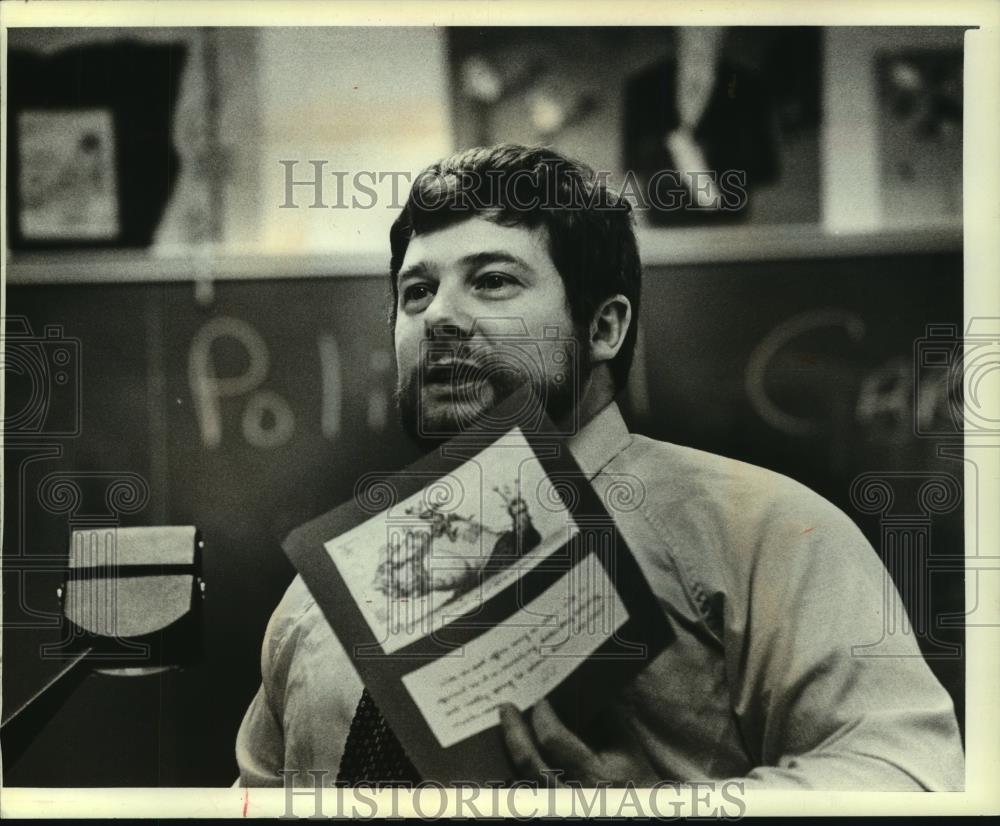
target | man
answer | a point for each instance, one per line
(767, 585)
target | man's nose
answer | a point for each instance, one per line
(446, 316)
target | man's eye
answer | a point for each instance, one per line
(493, 281)
(416, 292)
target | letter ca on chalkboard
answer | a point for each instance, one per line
(267, 420)
(901, 393)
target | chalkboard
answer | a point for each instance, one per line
(250, 414)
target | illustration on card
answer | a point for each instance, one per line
(461, 539)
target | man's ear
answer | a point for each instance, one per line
(608, 328)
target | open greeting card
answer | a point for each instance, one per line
(488, 572)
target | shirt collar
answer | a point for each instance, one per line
(599, 440)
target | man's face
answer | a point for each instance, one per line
(481, 312)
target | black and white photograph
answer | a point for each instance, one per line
(274, 542)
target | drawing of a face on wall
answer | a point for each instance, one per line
(461, 539)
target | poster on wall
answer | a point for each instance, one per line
(920, 135)
(68, 186)
(92, 162)
(700, 125)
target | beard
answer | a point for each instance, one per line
(435, 405)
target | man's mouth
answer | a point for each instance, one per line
(452, 372)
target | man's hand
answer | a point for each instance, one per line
(546, 752)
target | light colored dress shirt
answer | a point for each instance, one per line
(768, 587)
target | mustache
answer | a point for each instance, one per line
(462, 364)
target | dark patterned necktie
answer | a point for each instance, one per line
(373, 753)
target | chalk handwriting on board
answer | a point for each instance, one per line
(255, 414)
(268, 420)
(380, 363)
(886, 396)
(772, 343)
(329, 359)
(898, 398)
(207, 388)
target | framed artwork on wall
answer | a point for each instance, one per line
(92, 160)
